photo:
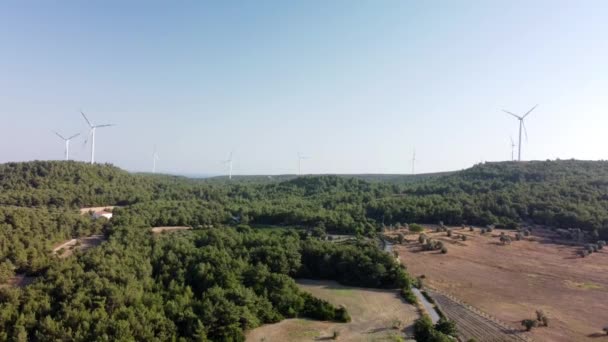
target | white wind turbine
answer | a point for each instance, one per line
(229, 162)
(154, 159)
(92, 134)
(67, 143)
(300, 158)
(414, 161)
(512, 148)
(521, 125)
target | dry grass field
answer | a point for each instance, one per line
(510, 282)
(373, 314)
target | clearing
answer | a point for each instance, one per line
(20, 280)
(373, 312)
(66, 248)
(158, 230)
(511, 282)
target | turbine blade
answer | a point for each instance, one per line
(59, 135)
(530, 111)
(73, 136)
(515, 115)
(525, 130)
(87, 120)
(107, 125)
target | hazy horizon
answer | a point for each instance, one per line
(355, 86)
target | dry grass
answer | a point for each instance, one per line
(158, 230)
(373, 314)
(511, 282)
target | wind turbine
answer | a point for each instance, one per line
(229, 162)
(414, 161)
(92, 134)
(521, 125)
(67, 143)
(300, 158)
(512, 148)
(154, 159)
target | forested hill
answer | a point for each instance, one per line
(564, 193)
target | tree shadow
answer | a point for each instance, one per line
(598, 335)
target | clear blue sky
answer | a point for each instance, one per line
(354, 85)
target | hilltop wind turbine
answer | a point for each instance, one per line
(67, 143)
(154, 159)
(92, 134)
(521, 125)
(300, 158)
(229, 162)
(512, 148)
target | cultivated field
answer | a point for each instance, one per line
(158, 230)
(510, 282)
(373, 313)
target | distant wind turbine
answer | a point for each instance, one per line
(67, 143)
(229, 162)
(300, 158)
(414, 161)
(521, 125)
(512, 148)
(92, 134)
(154, 159)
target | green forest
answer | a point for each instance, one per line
(230, 273)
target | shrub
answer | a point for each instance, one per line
(408, 295)
(416, 228)
(449, 232)
(463, 237)
(446, 326)
(518, 236)
(335, 335)
(606, 329)
(444, 250)
(421, 238)
(471, 229)
(400, 238)
(528, 324)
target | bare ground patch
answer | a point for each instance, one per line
(67, 248)
(373, 312)
(158, 230)
(511, 282)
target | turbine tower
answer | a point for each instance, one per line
(229, 162)
(414, 161)
(521, 125)
(67, 143)
(154, 159)
(92, 134)
(512, 148)
(300, 158)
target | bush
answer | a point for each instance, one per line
(528, 324)
(421, 238)
(409, 295)
(444, 250)
(449, 232)
(518, 236)
(416, 228)
(463, 237)
(471, 229)
(446, 326)
(335, 335)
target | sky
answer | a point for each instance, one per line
(355, 86)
